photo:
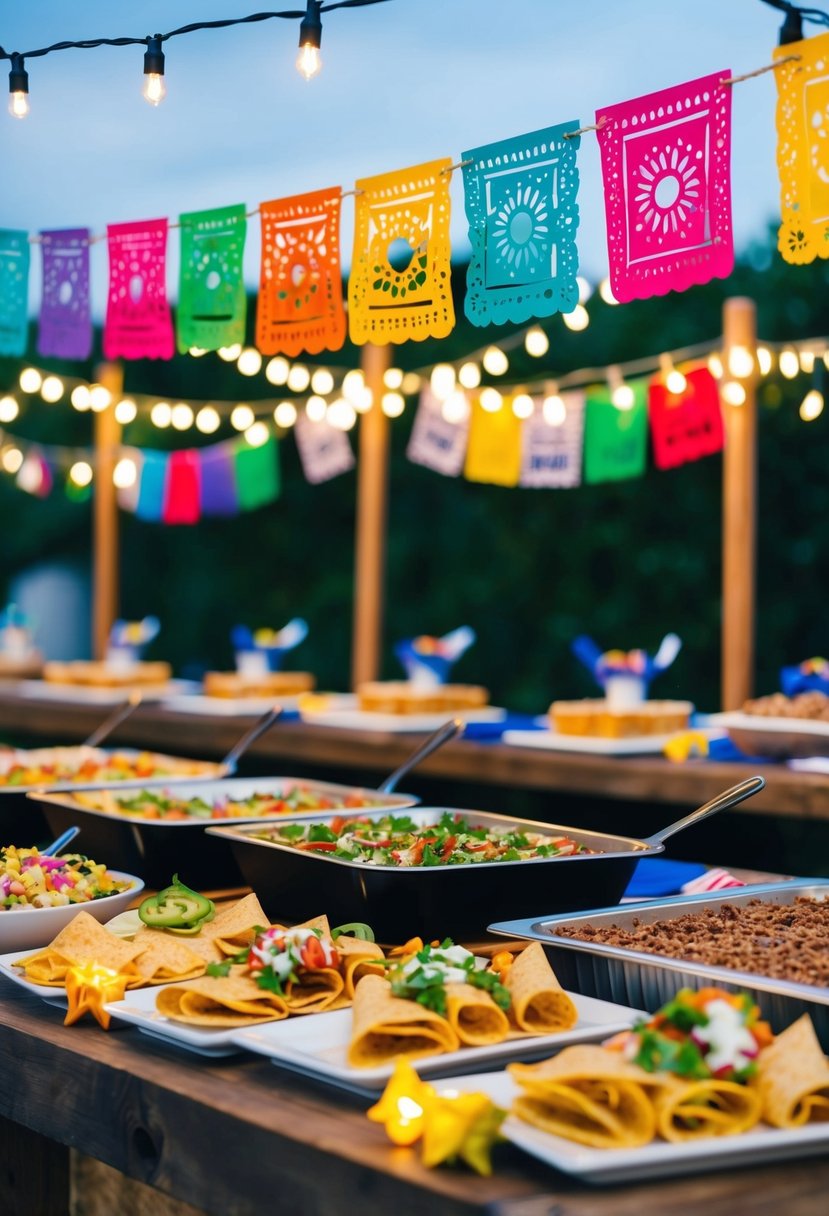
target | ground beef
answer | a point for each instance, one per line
(781, 941)
(812, 705)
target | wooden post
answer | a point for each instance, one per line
(739, 511)
(372, 510)
(105, 511)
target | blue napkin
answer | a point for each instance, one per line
(484, 731)
(723, 749)
(657, 876)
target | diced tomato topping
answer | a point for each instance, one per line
(449, 846)
(318, 846)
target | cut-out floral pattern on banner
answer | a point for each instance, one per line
(138, 323)
(324, 451)
(65, 325)
(14, 291)
(520, 197)
(212, 304)
(551, 454)
(494, 451)
(399, 288)
(615, 441)
(436, 442)
(300, 305)
(685, 426)
(667, 182)
(803, 149)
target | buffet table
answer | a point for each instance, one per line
(242, 1138)
(295, 746)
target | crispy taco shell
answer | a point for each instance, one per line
(211, 1001)
(700, 1109)
(386, 1027)
(474, 1016)
(539, 1004)
(793, 1077)
(83, 940)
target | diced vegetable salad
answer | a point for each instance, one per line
(30, 880)
(165, 804)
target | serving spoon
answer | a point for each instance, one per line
(113, 720)
(437, 739)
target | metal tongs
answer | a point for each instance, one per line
(113, 720)
(250, 736)
(442, 735)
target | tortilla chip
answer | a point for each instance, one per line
(474, 1016)
(539, 1004)
(83, 940)
(589, 1095)
(698, 1110)
(211, 1001)
(204, 947)
(166, 959)
(233, 927)
(386, 1027)
(793, 1077)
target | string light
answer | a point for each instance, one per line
(393, 404)
(249, 362)
(257, 435)
(18, 88)
(9, 409)
(341, 414)
(442, 380)
(455, 408)
(181, 416)
(99, 397)
(208, 420)
(30, 477)
(230, 353)
(578, 319)
(154, 89)
(125, 473)
(126, 411)
(807, 361)
(12, 459)
(621, 394)
(673, 379)
(536, 342)
(161, 415)
(715, 366)
(469, 375)
(277, 371)
(585, 289)
(811, 406)
(81, 473)
(393, 377)
(606, 292)
(308, 61)
(298, 378)
(523, 405)
(322, 382)
(285, 414)
(51, 390)
(30, 380)
(764, 360)
(80, 397)
(495, 361)
(197, 351)
(733, 393)
(411, 384)
(789, 363)
(315, 409)
(491, 400)
(554, 410)
(353, 384)
(242, 417)
(740, 362)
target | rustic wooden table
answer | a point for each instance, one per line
(294, 746)
(239, 1137)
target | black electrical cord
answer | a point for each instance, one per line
(90, 43)
(816, 15)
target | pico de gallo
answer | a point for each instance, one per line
(165, 804)
(397, 840)
(52, 766)
(28, 879)
(278, 955)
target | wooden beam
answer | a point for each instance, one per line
(372, 511)
(739, 510)
(105, 511)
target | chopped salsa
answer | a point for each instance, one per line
(28, 879)
(166, 804)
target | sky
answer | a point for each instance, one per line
(402, 82)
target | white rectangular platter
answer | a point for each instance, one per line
(81, 694)
(552, 741)
(656, 1160)
(226, 707)
(344, 715)
(138, 1009)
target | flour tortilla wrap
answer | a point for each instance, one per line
(83, 940)
(589, 1095)
(539, 1004)
(232, 1000)
(700, 1109)
(793, 1077)
(387, 1027)
(358, 958)
(474, 1016)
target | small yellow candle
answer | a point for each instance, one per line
(89, 987)
(402, 1108)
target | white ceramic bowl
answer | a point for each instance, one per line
(30, 928)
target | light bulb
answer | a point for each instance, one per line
(362, 399)
(469, 375)
(197, 351)
(285, 414)
(161, 414)
(181, 416)
(315, 409)
(811, 406)
(353, 384)
(12, 459)
(230, 353)
(249, 362)
(807, 361)
(442, 380)
(18, 87)
(322, 382)
(81, 473)
(585, 290)
(30, 380)
(19, 104)
(257, 435)
(208, 420)
(125, 473)
(80, 397)
(523, 406)
(715, 366)
(410, 384)
(9, 409)
(675, 382)
(789, 363)
(578, 319)
(154, 88)
(125, 411)
(242, 417)
(308, 61)
(455, 408)
(606, 292)
(764, 360)
(393, 404)
(495, 361)
(740, 362)
(491, 400)
(99, 397)
(277, 371)
(393, 377)
(341, 414)
(51, 390)
(554, 410)
(733, 393)
(298, 378)
(623, 397)
(536, 342)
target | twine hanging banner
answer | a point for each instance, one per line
(615, 440)
(688, 425)
(14, 291)
(551, 454)
(212, 303)
(494, 452)
(324, 451)
(138, 322)
(65, 326)
(435, 442)
(802, 77)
